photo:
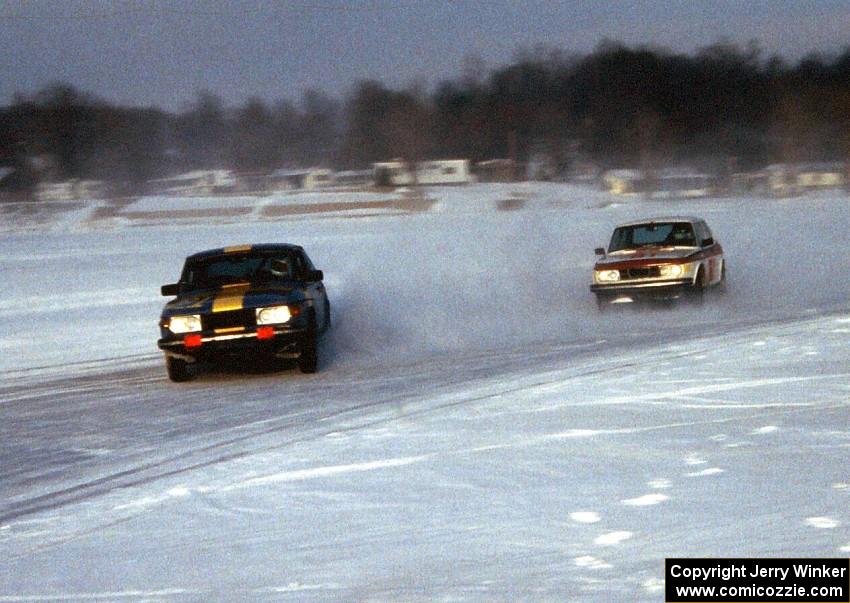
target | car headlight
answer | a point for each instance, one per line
(671, 270)
(184, 324)
(273, 315)
(607, 276)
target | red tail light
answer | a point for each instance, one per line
(265, 332)
(192, 341)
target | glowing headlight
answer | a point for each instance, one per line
(607, 276)
(671, 270)
(185, 324)
(273, 315)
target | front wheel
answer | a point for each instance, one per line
(308, 361)
(178, 370)
(327, 326)
(697, 293)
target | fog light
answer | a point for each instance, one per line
(192, 341)
(265, 332)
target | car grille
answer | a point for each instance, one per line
(231, 318)
(635, 273)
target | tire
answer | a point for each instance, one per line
(327, 325)
(178, 370)
(308, 361)
(697, 293)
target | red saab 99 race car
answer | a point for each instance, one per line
(658, 259)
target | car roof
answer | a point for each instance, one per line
(260, 247)
(690, 219)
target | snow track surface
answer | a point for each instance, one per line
(476, 431)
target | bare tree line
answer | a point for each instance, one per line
(723, 107)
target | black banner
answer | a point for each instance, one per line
(757, 580)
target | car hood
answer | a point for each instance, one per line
(236, 297)
(647, 255)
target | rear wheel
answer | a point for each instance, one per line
(308, 361)
(178, 370)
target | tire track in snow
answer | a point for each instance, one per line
(138, 476)
(417, 405)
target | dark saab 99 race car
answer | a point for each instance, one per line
(658, 259)
(249, 300)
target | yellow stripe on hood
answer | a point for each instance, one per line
(231, 297)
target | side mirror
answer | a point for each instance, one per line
(708, 242)
(315, 275)
(599, 251)
(170, 290)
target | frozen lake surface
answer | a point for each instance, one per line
(477, 431)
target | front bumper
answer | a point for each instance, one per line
(658, 289)
(285, 342)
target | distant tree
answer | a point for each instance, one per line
(252, 142)
(463, 121)
(408, 127)
(365, 142)
(66, 126)
(648, 124)
(129, 147)
(202, 133)
(383, 125)
(620, 106)
(286, 125)
(319, 128)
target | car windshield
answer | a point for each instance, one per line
(652, 234)
(216, 271)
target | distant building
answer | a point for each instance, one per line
(71, 190)
(781, 179)
(496, 170)
(821, 176)
(195, 183)
(623, 182)
(249, 182)
(583, 170)
(352, 178)
(541, 166)
(669, 183)
(391, 173)
(748, 183)
(444, 171)
(300, 179)
(682, 183)
(438, 171)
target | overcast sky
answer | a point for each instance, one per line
(161, 52)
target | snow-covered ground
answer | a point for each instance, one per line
(477, 432)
